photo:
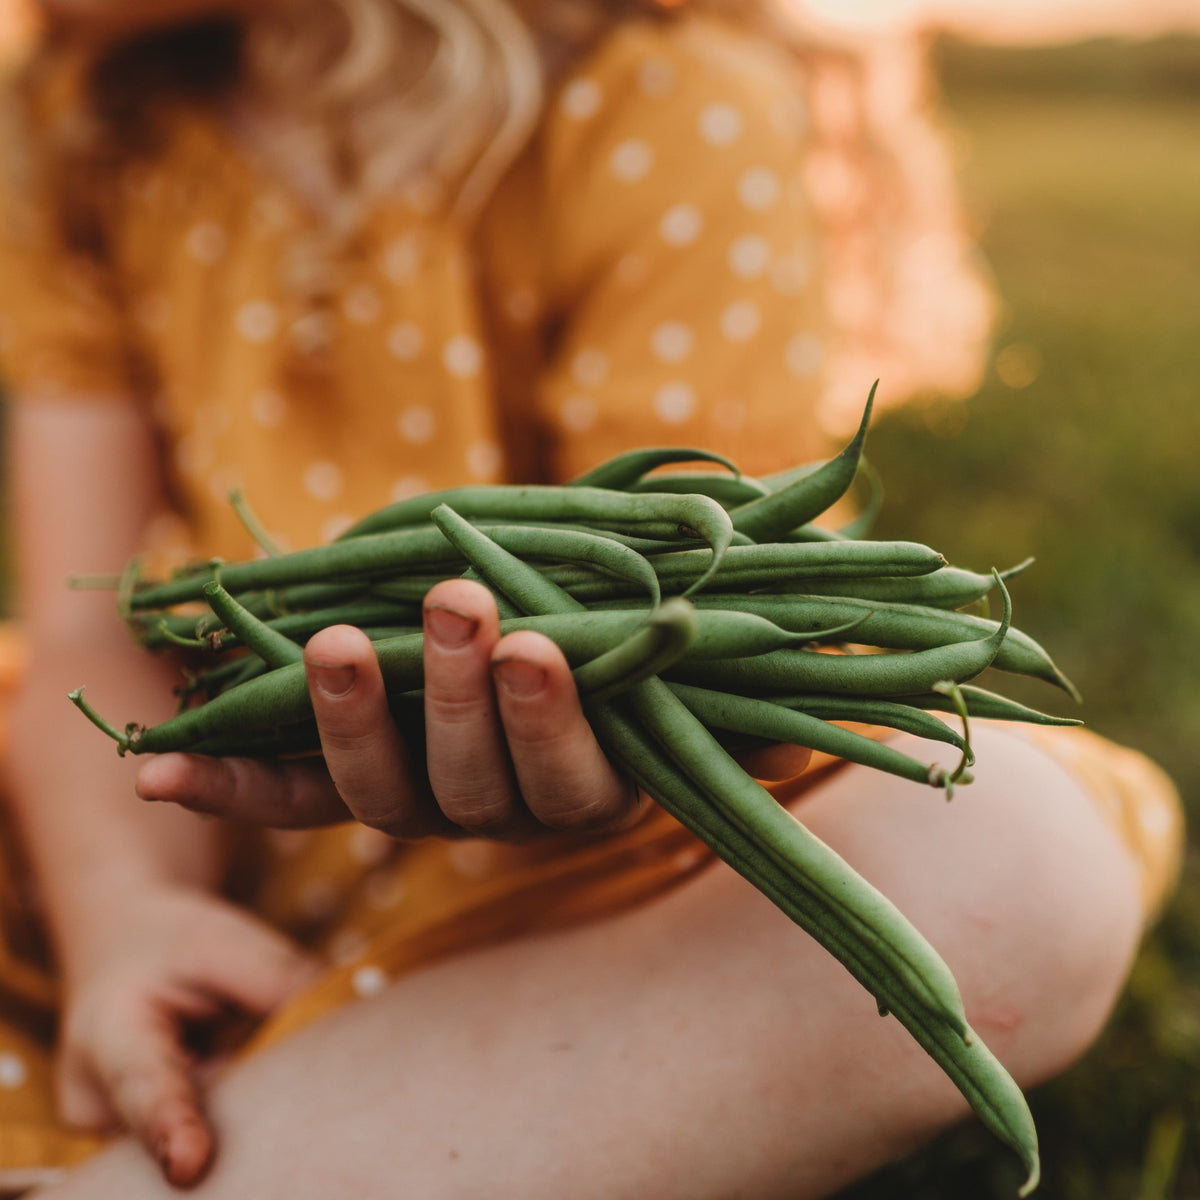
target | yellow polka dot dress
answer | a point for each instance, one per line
(648, 272)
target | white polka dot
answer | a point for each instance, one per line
(681, 225)
(589, 367)
(462, 356)
(257, 321)
(484, 460)
(578, 413)
(472, 859)
(194, 454)
(287, 843)
(720, 124)
(675, 402)
(405, 341)
(346, 945)
(13, 1071)
(369, 846)
(789, 274)
(322, 480)
(312, 332)
(368, 980)
(632, 160)
(422, 195)
(206, 242)
(804, 355)
(267, 408)
(523, 305)
(384, 889)
(153, 313)
(416, 424)
(402, 259)
(581, 99)
(758, 188)
(361, 304)
(333, 529)
(741, 320)
(656, 77)
(672, 342)
(749, 256)
(730, 414)
(690, 858)
(407, 487)
(632, 269)
(272, 210)
(317, 899)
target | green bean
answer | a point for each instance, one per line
(859, 674)
(627, 469)
(269, 644)
(899, 627)
(579, 548)
(362, 557)
(596, 507)
(989, 705)
(719, 634)
(949, 587)
(769, 517)
(777, 723)
(726, 490)
(866, 913)
(871, 710)
(746, 567)
(982, 1080)
(662, 639)
(526, 588)
(252, 525)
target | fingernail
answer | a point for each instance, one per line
(448, 628)
(333, 681)
(519, 678)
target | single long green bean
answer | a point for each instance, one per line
(273, 647)
(899, 627)
(777, 723)
(769, 517)
(627, 468)
(988, 1088)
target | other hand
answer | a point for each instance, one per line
(173, 958)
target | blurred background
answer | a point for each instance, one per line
(1075, 130)
(1077, 137)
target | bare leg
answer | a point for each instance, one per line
(700, 1047)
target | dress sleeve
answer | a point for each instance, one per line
(62, 331)
(681, 253)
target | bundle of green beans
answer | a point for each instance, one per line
(753, 589)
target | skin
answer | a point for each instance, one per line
(143, 939)
(698, 1047)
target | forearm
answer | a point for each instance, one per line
(94, 847)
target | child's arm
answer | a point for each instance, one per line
(126, 888)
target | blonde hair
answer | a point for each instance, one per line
(464, 79)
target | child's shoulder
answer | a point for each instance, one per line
(682, 88)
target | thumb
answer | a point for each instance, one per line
(257, 967)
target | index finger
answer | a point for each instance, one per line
(150, 1084)
(284, 795)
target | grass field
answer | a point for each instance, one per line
(1083, 165)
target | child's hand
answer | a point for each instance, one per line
(509, 749)
(172, 958)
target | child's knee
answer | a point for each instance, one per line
(1059, 923)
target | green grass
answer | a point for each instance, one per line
(1084, 167)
